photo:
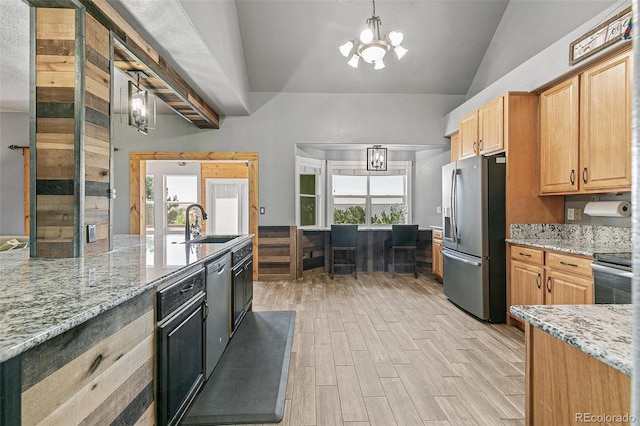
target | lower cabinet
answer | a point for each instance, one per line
(436, 254)
(539, 277)
(242, 290)
(564, 385)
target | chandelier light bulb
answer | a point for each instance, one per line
(366, 36)
(396, 38)
(346, 48)
(379, 65)
(400, 51)
(354, 60)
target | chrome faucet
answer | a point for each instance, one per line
(187, 228)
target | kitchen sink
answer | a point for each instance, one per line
(212, 239)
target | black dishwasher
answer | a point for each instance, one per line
(180, 365)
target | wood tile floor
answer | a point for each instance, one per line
(393, 351)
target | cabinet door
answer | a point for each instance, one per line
(436, 258)
(559, 171)
(238, 295)
(565, 289)
(605, 125)
(469, 135)
(526, 284)
(455, 147)
(491, 127)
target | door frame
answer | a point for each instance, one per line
(138, 172)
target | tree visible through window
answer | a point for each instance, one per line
(369, 199)
(149, 202)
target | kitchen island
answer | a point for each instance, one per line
(49, 305)
(578, 363)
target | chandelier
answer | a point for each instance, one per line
(377, 158)
(371, 47)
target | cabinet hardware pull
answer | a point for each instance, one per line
(568, 264)
(474, 146)
(524, 254)
(206, 311)
(538, 283)
(571, 177)
(548, 285)
(480, 145)
(186, 288)
(584, 175)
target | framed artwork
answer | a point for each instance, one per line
(613, 30)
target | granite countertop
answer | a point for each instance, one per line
(42, 298)
(601, 331)
(583, 240)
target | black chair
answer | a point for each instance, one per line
(403, 237)
(344, 238)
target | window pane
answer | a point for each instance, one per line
(388, 211)
(308, 184)
(387, 185)
(176, 214)
(149, 187)
(150, 218)
(182, 188)
(349, 185)
(349, 210)
(307, 211)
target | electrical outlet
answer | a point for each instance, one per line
(91, 233)
(262, 210)
(578, 214)
(571, 214)
(438, 209)
(92, 275)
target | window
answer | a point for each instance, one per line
(227, 206)
(180, 191)
(149, 203)
(370, 198)
(309, 184)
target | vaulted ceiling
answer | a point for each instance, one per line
(227, 49)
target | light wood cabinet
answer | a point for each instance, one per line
(544, 277)
(563, 383)
(455, 147)
(482, 131)
(585, 130)
(436, 253)
(468, 135)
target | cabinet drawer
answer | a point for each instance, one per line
(569, 263)
(525, 254)
(437, 234)
(172, 297)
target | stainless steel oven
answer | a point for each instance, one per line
(612, 277)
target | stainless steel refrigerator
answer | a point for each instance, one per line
(473, 201)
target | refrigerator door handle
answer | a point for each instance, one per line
(454, 191)
(460, 258)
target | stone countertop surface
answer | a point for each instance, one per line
(567, 246)
(42, 298)
(583, 240)
(601, 331)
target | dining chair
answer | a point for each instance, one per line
(344, 239)
(405, 238)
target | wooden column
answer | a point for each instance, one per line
(70, 131)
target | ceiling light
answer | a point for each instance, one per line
(377, 158)
(371, 47)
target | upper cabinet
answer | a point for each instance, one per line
(455, 147)
(482, 131)
(585, 131)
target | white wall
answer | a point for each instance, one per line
(14, 130)
(534, 73)
(279, 122)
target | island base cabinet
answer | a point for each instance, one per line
(100, 372)
(565, 386)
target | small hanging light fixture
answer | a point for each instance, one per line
(139, 105)
(371, 47)
(377, 158)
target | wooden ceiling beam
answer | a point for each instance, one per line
(135, 54)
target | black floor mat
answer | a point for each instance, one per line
(248, 384)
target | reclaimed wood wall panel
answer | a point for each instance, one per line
(100, 372)
(277, 258)
(55, 139)
(97, 145)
